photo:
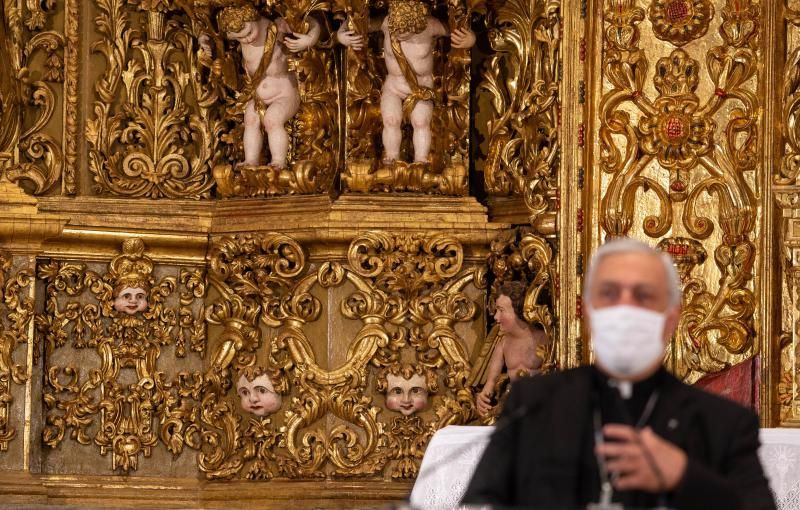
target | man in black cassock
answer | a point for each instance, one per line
(623, 431)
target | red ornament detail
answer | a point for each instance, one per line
(678, 249)
(677, 186)
(720, 92)
(676, 11)
(674, 128)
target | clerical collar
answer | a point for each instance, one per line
(628, 389)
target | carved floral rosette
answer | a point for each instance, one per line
(401, 295)
(124, 401)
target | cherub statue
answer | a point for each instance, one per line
(271, 96)
(518, 346)
(257, 393)
(409, 35)
(131, 273)
(406, 387)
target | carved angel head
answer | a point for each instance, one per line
(406, 387)
(257, 392)
(131, 274)
(131, 300)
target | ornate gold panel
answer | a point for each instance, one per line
(16, 306)
(678, 141)
(119, 398)
(401, 297)
(785, 180)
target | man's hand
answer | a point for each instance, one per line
(484, 402)
(628, 463)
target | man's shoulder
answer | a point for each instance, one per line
(723, 408)
(554, 382)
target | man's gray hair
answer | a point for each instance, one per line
(628, 245)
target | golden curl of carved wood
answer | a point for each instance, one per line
(40, 155)
(521, 82)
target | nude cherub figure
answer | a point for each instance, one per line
(516, 349)
(257, 393)
(407, 388)
(409, 36)
(130, 300)
(271, 91)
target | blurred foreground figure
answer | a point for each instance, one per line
(624, 430)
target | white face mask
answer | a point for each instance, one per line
(627, 339)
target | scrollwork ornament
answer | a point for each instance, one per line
(702, 151)
(523, 143)
(130, 418)
(790, 163)
(40, 161)
(408, 437)
(152, 145)
(16, 313)
(405, 263)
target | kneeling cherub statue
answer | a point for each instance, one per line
(518, 346)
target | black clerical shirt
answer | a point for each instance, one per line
(614, 408)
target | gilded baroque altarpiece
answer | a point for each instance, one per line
(200, 198)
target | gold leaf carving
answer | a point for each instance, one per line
(150, 145)
(702, 146)
(81, 313)
(521, 81)
(40, 155)
(16, 312)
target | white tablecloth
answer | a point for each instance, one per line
(780, 456)
(447, 467)
(454, 451)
